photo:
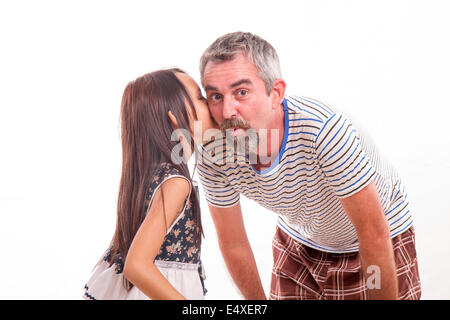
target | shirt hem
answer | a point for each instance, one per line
(284, 227)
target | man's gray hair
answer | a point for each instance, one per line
(258, 50)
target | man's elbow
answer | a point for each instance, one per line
(376, 237)
(234, 248)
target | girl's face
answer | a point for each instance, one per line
(204, 119)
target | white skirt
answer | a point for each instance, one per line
(106, 284)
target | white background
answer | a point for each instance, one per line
(64, 65)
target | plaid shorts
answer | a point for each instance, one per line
(301, 272)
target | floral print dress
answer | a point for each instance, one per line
(178, 258)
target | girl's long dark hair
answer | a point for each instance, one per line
(146, 133)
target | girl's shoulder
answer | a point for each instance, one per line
(162, 172)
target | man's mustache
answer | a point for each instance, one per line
(234, 123)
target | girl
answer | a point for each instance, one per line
(148, 259)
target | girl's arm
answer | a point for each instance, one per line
(139, 267)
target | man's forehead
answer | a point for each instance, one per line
(231, 73)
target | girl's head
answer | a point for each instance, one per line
(200, 109)
(153, 106)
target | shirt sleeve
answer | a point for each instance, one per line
(216, 188)
(341, 156)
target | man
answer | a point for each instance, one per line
(344, 229)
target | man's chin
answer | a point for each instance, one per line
(238, 132)
(243, 144)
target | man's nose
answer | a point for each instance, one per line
(229, 108)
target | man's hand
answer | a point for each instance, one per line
(375, 246)
(236, 251)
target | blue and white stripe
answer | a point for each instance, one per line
(324, 157)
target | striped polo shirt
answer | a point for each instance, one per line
(323, 158)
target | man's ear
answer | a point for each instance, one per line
(173, 120)
(277, 93)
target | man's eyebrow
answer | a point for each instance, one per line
(210, 88)
(238, 83)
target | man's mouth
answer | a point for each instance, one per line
(236, 131)
(234, 126)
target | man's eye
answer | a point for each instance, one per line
(242, 92)
(215, 97)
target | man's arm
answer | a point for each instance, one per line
(375, 246)
(236, 251)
